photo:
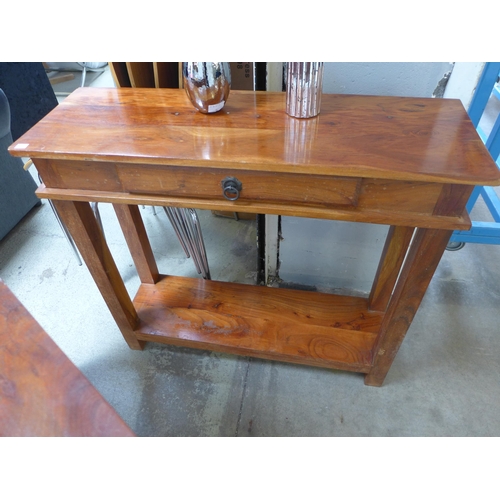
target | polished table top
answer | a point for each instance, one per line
(418, 139)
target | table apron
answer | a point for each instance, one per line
(352, 215)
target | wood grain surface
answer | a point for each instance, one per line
(137, 240)
(401, 138)
(372, 215)
(286, 325)
(42, 393)
(394, 251)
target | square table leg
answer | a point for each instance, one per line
(393, 254)
(82, 224)
(137, 240)
(424, 254)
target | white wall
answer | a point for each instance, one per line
(340, 255)
(463, 81)
(415, 79)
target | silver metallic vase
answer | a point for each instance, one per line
(207, 84)
(304, 86)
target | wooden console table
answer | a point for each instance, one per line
(407, 162)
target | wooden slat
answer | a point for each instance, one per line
(119, 73)
(166, 75)
(181, 79)
(141, 74)
(354, 215)
(42, 393)
(287, 325)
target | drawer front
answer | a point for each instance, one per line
(255, 186)
(382, 201)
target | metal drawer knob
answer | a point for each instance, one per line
(231, 188)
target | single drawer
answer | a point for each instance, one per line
(206, 183)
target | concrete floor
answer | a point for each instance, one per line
(445, 380)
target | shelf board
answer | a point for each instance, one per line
(294, 326)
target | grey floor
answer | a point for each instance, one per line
(445, 380)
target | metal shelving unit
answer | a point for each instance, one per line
(484, 232)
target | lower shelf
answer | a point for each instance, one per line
(295, 326)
